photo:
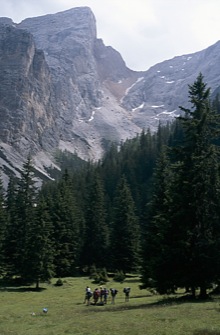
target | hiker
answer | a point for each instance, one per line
(126, 291)
(96, 295)
(88, 295)
(101, 293)
(113, 294)
(105, 295)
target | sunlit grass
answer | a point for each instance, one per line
(21, 312)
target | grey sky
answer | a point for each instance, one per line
(145, 32)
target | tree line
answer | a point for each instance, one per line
(151, 206)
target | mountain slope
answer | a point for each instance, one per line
(164, 86)
(62, 88)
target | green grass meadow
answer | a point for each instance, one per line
(21, 312)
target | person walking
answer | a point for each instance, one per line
(105, 295)
(113, 294)
(96, 295)
(101, 290)
(126, 291)
(88, 296)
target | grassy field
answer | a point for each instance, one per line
(21, 312)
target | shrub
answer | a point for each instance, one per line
(99, 276)
(119, 276)
(59, 282)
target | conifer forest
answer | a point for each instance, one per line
(150, 206)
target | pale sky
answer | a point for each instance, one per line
(145, 32)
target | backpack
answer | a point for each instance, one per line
(89, 294)
(95, 294)
(106, 292)
(126, 290)
(114, 291)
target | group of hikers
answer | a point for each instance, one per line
(100, 295)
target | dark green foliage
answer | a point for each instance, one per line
(119, 276)
(28, 247)
(184, 230)
(68, 225)
(152, 201)
(99, 275)
(125, 238)
(3, 225)
(155, 231)
(74, 216)
(96, 246)
(40, 250)
(201, 160)
(11, 236)
(24, 216)
(59, 282)
(66, 161)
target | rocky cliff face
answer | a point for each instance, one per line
(164, 86)
(61, 87)
(26, 114)
(25, 108)
(85, 75)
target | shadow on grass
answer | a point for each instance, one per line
(163, 302)
(22, 289)
(141, 296)
(132, 280)
(206, 332)
(16, 285)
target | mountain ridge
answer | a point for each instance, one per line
(62, 88)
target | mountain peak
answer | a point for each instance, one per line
(62, 88)
(80, 20)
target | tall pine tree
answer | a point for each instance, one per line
(3, 223)
(189, 232)
(40, 247)
(22, 216)
(68, 224)
(125, 237)
(96, 246)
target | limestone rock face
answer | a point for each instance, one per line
(61, 87)
(25, 107)
(84, 75)
(67, 40)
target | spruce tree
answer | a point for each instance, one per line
(125, 237)
(68, 224)
(3, 224)
(40, 247)
(156, 228)
(201, 163)
(96, 246)
(190, 231)
(11, 234)
(23, 219)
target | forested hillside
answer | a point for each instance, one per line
(151, 205)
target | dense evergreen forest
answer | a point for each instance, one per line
(150, 206)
